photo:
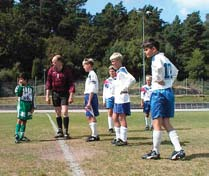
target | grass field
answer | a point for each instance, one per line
(43, 156)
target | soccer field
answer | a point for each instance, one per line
(45, 156)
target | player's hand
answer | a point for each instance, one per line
(48, 101)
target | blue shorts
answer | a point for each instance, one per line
(122, 108)
(146, 108)
(162, 103)
(94, 104)
(109, 103)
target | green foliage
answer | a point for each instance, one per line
(32, 29)
(195, 65)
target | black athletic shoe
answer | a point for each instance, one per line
(120, 142)
(178, 155)
(151, 155)
(24, 139)
(114, 141)
(92, 139)
(146, 128)
(59, 134)
(17, 140)
(111, 131)
(66, 136)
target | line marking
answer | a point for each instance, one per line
(68, 154)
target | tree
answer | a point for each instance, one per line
(196, 67)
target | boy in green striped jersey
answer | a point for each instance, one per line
(25, 106)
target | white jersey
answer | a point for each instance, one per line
(121, 85)
(162, 70)
(108, 88)
(146, 92)
(92, 83)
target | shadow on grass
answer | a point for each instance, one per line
(197, 155)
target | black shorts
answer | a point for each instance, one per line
(60, 98)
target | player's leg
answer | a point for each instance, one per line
(109, 105)
(91, 118)
(110, 120)
(22, 131)
(157, 112)
(65, 121)
(57, 107)
(178, 151)
(17, 130)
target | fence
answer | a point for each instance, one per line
(186, 87)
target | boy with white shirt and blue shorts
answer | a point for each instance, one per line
(91, 99)
(122, 99)
(164, 74)
(108, 97)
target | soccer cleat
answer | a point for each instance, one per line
(111, 131)
(66, 136)
(151, 155)
(120, 142)
(114, 141)
(92, 139)
(25, 139)
(17, 140)
(146, 128)
(59, 134)
(151, 128)
(178, 155)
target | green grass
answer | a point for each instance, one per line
(43, 156)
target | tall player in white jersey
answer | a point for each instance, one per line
(91, 99)
(108, 97)
(122, 99)
(164, 74)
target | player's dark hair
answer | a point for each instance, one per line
(24, 76)
(150, 43)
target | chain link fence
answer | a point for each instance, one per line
(186, 87)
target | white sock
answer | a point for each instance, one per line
(123, 133)
(175, 140)
(93, 127)
(157, 135)
(117, 132)
(110, 122)
(146, 121)
(150, 121)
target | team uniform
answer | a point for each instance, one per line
(108, 98)
(162, 104)
(92, 86)
(25, 101)
(146, 92)
(122, 99)
(162, 98)
(108, 92)
(122, 102)
(25, 105)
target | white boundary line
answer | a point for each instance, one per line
(74, 166)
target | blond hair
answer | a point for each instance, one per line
(117, 56)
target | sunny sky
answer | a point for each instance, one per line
(171, 8)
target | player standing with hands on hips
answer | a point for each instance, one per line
(121, 107)
(60, 83)
(164, 74)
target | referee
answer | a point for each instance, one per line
(60, 84)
